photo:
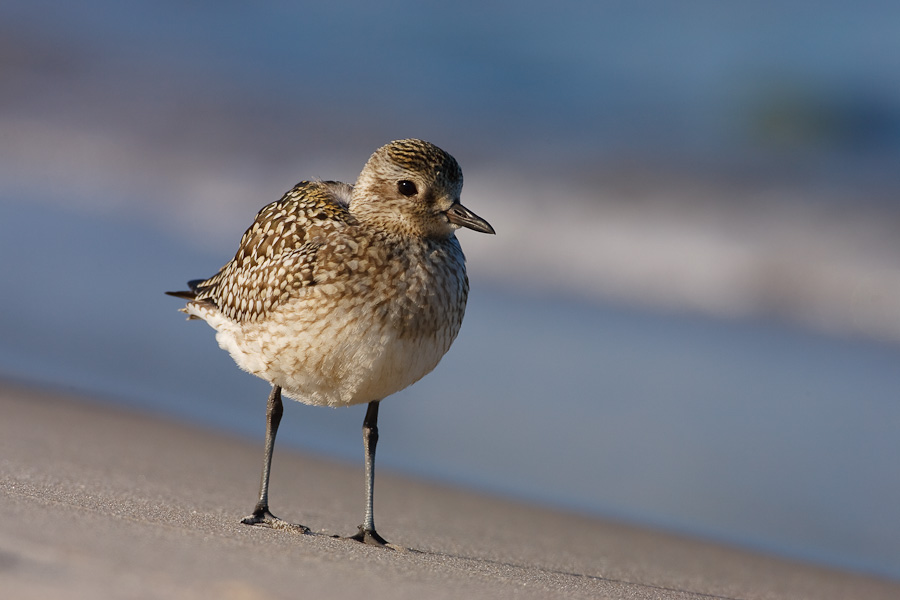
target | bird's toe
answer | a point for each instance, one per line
(264, 518)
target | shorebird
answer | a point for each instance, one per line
(341, 295)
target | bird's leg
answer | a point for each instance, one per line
(261, 515)
(367, 533)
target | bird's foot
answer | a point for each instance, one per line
(263, 518)
(371, 537)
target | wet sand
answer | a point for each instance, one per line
(103, 503)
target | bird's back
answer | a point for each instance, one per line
(276, 256)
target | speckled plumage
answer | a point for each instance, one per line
(343, 294)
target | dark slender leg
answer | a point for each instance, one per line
(261, 514)
(367, 533)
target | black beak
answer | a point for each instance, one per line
(461, 216)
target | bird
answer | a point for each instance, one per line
(344, 294)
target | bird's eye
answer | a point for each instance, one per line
(407, 188)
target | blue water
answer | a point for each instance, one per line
(565, 84)
(747, 431)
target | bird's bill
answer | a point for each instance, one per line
(461, 216)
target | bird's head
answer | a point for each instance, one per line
(413, 187)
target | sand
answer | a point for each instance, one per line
(102, 503)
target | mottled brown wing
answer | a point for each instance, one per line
(277, 255)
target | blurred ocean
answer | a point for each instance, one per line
(689, 318)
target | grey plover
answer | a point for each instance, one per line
(342, 295)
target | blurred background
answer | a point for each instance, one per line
(689, 317)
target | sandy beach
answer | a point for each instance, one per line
(103, 503)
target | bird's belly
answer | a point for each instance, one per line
(334, 359)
